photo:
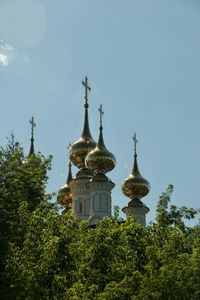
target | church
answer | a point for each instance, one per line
(89, 193)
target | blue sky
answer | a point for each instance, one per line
(142, 58)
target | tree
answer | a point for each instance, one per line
(45, 255)
(64, 259)
(169, 272)
(22, 187)
(172, 215)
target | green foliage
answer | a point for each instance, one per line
(45, 255)
(22, 189)
(116, 212)
(64, 259)
(172, 215)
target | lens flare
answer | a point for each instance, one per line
(3, 59)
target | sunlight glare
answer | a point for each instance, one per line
(3, 59)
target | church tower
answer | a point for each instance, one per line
(136, 187)
(89, 193)
(100, 161)
(78, 151)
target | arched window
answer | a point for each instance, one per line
(104, 200)
(107, 205)
(96, 202)
(80, 208)
(100, 203)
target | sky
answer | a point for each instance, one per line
(142, 59)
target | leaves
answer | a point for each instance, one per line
(45, 255)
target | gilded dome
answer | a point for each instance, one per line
(80, 149)
(135, 186)
(100, 160)
(85, 144)
(64, 196)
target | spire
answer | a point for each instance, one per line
(69, 176)
(64, 196)
(135, 186)
(86, 129)
(85, 144)
(101, 144)
(33, 125)
(100, 160)
(135, 170)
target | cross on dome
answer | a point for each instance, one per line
(87, 88)
(101, 113)
(135, 143)
(33, 125)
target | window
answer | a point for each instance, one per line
(80, 208)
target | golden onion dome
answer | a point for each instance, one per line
(64, 196)
(100, 160)
(135, 186)
(86, 143)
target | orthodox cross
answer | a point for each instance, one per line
(87, 88)
(101, 112)
(135, 143)
(33, 125)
